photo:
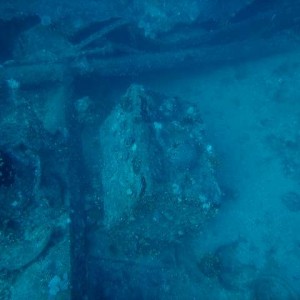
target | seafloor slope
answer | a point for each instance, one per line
(252, 115)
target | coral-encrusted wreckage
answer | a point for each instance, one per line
(157, 174)
(99, 192)
(158, 182)
(152, 174)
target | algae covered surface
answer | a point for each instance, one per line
(149, 150)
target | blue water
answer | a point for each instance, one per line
(149, 150)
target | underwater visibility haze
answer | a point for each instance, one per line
(150, 150)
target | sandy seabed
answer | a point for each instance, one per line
(252, 114)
